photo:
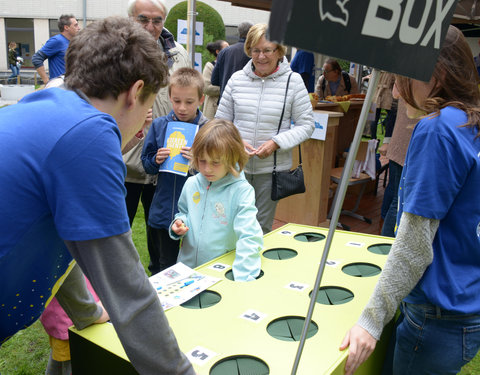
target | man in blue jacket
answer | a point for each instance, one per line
(231, 59)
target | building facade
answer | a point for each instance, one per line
(30, 23)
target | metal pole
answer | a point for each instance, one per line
(84, 13)
(191, 18)
(338, 203)
(359, 75)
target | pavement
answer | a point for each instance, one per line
(6, 102)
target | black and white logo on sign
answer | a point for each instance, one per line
(334, 10)
(399, 36)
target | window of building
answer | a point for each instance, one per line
(20, 31)
(53, 27)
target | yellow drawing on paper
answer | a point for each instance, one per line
(175, 143)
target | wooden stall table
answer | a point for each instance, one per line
(318, 156)
(347, 124)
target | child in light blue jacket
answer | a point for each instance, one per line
(217, 210)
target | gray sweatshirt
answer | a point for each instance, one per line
(113, 267)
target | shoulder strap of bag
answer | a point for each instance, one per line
(346, 79)
(284, 102)
(280, 124)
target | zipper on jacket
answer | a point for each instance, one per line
(173, 200)
(203, 216)
(256, 122)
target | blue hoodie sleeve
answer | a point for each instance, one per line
(38, 58)
(149, 151)
(247, 263)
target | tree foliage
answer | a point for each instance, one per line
(213, 26)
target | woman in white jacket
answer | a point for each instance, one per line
(253, 100)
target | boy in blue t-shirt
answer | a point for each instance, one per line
(65, 197)
(186, 95)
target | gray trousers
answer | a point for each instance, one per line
(262, 183)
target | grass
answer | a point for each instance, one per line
(27, 352)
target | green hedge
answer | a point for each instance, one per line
(213, 26)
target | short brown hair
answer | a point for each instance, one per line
(254, 35)
(220, 140)
(456, 81)
(187, 77)
(109, 56)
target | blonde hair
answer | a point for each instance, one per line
(187, 77)
(254, 35)
(220, 140)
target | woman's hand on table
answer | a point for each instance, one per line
(361, 344)
(266, 149)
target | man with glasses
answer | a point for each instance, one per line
(334, 81)
(151, 15)
(55, 47)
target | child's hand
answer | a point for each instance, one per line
(162, 154)
(179, 228)
(185, 151)
(104, 317)
(148, 118)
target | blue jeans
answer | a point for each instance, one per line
(15, 71)
(429, 340)
(390, 219)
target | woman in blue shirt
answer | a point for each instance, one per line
(433, 269)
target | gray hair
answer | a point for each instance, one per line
(243, 29)
(158, 3)
(64, 20)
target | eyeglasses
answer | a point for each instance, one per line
(266, 52)
(157, 21)
(327, 71)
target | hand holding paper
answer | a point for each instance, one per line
(185, 151)
(162, 154)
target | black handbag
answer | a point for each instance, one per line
(286, 183)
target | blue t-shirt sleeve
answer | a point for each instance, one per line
(435, 171)
(84, 182)
(52, 46)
